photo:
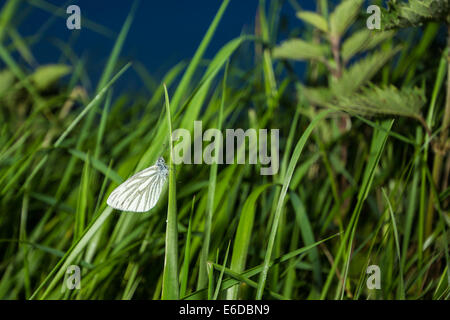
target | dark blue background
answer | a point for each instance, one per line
(162, 33)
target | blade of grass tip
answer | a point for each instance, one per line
(187, 76)
(219, 282)
(76, 121)
(7, 14)
(211, 192)
(170, 76)
(118, 45)
(170, 290)
(22, 47)
(269, 75)
(441, 287)
(397, 244)
(210, 271)
(187, 254)
(290, 171)
(190, 109)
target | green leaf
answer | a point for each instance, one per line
(314, 19)
(47, 75)
(320, 96)
(363, 40)
(343, 16)
(389, 100)
(297, 49)
(243, 236)
(361, 72)
(303, 222)
(6, 81)
(415, 13)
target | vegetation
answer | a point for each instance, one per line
(364, 163)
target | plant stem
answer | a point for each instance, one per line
(440, 154)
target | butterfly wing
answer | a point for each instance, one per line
(139, 193)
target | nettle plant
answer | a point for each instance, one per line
(415, 13)
(352, 59)
(412, 14)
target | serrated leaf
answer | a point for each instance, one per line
(314, 19)
(363, 40)
(421, 8)
(319, 96)
(343, 16)
(361, 72)
(47, 75)
(374, 100)
(370, 100)
(415, 12)
(297, 49)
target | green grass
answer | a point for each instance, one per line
(372, 191)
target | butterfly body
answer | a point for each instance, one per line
(141, 192)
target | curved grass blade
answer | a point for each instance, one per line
(290, 171)
(243, 236)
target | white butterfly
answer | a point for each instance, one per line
(141, 192)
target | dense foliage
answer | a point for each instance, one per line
(363, 180)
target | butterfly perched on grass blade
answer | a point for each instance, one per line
(141, 192)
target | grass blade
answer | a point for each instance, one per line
(170, 290)
(290, 171)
